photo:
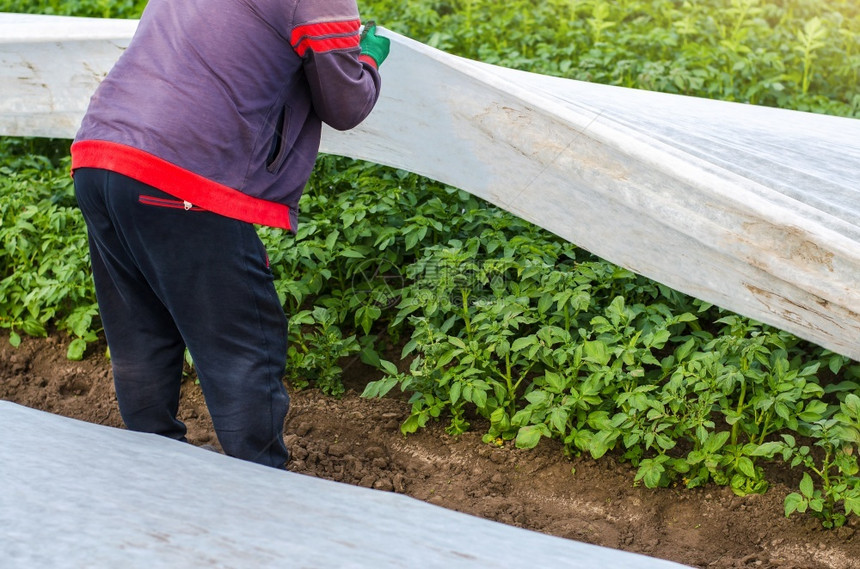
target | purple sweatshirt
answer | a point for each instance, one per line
(219, 102)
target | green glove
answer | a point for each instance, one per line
(374, 46)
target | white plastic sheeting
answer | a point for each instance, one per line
(76, 494)
(49, 68)
(754, 209)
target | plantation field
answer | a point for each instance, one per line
(358, 441)
(536, 384)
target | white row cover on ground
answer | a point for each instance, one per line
(754, 209)
(76, 494)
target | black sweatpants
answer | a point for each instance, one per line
(170, 275)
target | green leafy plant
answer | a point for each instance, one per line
(45, 279)
(314, 351)
(837, 491)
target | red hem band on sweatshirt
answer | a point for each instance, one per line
(178, 182)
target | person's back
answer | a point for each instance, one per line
(209, 122)
(214, 86)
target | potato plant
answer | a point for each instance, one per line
(45, 269)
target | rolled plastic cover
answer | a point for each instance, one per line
(754, 209)
(77, 494)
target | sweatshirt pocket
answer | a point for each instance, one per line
(170, 203)
(279, 148)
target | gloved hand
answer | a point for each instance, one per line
(374, 46)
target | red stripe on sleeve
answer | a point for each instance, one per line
(322, 45)
(324, 29)
(325, 36)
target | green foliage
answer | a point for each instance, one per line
(315, 350)
(795, 54)
(88, 8)
(540, 344)
(499, 323)
(837, 492)
(44, 264)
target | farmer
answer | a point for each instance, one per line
(209, 123)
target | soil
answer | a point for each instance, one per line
(358, 441)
